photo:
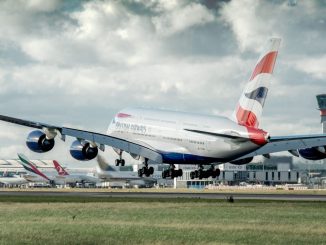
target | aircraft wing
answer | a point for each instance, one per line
(101, 139)
(289, 143)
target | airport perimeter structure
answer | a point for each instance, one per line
(321, 100)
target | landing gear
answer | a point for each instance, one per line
(147, 171)
(120, 161)
(202, 173)
(172, 172)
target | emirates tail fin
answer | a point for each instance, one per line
(30, 166)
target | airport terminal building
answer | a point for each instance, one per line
(274, 171)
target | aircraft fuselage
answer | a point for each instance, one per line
(187, 138)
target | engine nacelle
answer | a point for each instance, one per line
(38, 142)
(83, 151)
(314, 153)
(242, 161)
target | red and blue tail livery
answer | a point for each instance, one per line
(252, 100)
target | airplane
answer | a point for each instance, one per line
(38, 176)
(14, 180)
(73, 178)
(171, 137)
(106, 172)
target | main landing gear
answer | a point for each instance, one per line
(172, 172)
(147, 171)
(202, 173)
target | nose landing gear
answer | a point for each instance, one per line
(120, 161)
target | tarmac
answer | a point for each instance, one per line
(242, 196)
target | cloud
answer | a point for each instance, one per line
(253, 21)
(314, 66)
(79, 62)
(180, 18)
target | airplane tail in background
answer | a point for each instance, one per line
(250, 106)
(60, 169)
(29, 166)
(103, 165)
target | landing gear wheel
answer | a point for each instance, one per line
(122, 162)
(151, 170)
(200, 174)
(140, 172)
(146, 171)
(179, 172)
(214, 174)
(117, 162)
(192, 175)
(172, 172)
(217, 172)
(163, 174)
(196, 174)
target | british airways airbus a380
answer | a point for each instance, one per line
(184, 138)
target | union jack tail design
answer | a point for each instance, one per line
(250, 106)
(60, 169)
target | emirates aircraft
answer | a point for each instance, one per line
(170, 137)
(63, 177)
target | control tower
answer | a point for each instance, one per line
(321, 99)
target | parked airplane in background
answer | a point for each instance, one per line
(108, 173)
(73, 178)
(185, 138)
(62, 179)
(14, 180)
(35, 174)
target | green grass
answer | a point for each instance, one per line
(79, 220)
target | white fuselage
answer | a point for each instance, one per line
(168, 133)
(16, 180)
(60, 180)
(124, 176)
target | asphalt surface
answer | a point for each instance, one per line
(248, 196)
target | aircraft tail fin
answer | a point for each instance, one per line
(103, 164)
(30, 166)
(61, 171)
(250, 106)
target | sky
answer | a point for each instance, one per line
(77, 63)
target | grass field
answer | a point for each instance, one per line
(76, 220)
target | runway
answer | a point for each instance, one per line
(217, 196)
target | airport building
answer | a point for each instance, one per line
(277, 170)
(321, 100)
(14, 167)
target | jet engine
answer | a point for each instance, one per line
(242, 161)
(83, 151)
(314, 153)
(38, 142)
